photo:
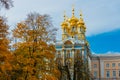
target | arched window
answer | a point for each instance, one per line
(68, 54)
(59, 55)
(68, 63)
(80, 29)
(73, 29)
(78, 53)
(59, 63)
(64, 30)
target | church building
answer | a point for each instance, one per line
(73, 56)
(72, 52)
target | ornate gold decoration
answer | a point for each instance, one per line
(73, 26)
(64, 24)
(73, 20)
(81, 23)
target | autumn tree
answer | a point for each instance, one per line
(82, 69)
(33, 51)
(7, 4)
(5, 55)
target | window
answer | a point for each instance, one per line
(114, 73)
(64, 30)
(68, 63)
(95, 73)
(107, 65)
(59, 62)
(68, 54)
(113, 64)
(119, 64)
(108, 74)
(59, 55)
(119, 73)
(75, 37)
(78, 53)
(80, 29)
(95, 65)
(73, 29)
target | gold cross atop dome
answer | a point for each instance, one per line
(73, 10)
(81, 14)
(73, 20)
(64, 24)
(81, 23)
(64, 15)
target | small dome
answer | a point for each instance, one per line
(73, 21)
(64, 24)
(81, 23)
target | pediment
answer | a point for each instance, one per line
(68, 42)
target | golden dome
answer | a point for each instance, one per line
(73, 20)
(81, 23)
(64, 23)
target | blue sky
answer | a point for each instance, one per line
(105, 42)
(102, 18)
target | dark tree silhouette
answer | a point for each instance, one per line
(7, 4)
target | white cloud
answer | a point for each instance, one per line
(99, 15)
(109, 53)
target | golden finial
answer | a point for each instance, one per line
(81, 16)
(64, 15)
(73, 10)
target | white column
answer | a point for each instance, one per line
(72, 70)
(82, 54)
(73, 53)
(89, 63)
(102, 68)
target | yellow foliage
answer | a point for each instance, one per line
(33, 78)
(6, 56)
(33, 56)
